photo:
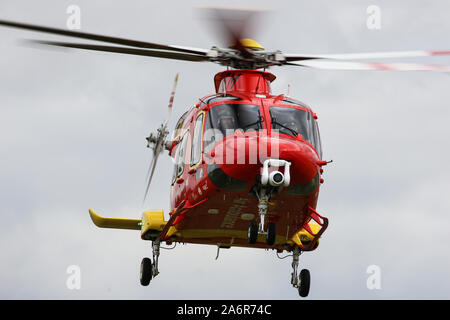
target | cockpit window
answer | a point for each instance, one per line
(180, 155)
(219, 97)
(225, 119)
(229, 117)
(289, 100)
(294, 121)
(179, 125)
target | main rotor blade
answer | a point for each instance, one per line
(366, 55)
(108, 39)
(126, 50)
(350, 65)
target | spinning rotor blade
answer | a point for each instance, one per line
(366, 55)
(108, 39)
(235, 25)
(126, 50)
(350, 65)
(152, 167)
(160, 140)
(172, 96)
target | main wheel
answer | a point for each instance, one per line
(146, 271)
(271, 233)
(253, 232)
(305, 281)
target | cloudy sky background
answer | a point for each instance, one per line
(72, 129)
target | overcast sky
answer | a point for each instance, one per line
(72, 129)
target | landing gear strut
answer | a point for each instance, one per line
(149, 269)
(255, 229)
(269, 183)
(301, 282)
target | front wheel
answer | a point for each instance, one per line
(271, 233)
(253, 232)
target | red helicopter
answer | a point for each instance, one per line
(247, 162)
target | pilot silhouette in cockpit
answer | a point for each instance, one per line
(227, 123)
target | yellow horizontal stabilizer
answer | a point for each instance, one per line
(115, 223)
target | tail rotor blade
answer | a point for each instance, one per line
(150, 172)
(172, 96)
(158, 143)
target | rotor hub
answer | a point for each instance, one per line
(249, 44)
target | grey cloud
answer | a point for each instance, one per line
(72, 128)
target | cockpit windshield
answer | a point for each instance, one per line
(223, 120)
(229, 117)
(294, 121)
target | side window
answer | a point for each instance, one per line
(179, 125)
(180, 156)
(196, 152)
(211, 135)
(318, 142)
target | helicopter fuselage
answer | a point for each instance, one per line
(239, 149)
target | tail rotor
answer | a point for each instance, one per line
(158, 141)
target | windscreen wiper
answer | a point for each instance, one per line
(259, 123)
(274, 121)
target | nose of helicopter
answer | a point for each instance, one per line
(240, 158)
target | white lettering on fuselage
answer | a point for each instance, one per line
(233, 213)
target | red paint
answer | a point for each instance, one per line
(243, 81)
(290, 212)
(437, 53)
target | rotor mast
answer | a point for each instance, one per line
(243, 81)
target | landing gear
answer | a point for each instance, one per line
(155, 249)
(254, 228)
(149, 269)
(271, 233)
(252, 232)
(305, 281)
(301, 282)
(262, 211)
(146, 271)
